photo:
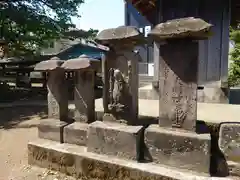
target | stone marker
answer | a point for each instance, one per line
(57, 99)
(120, 96)
(175, 142)
(120, 74)
(84, 98)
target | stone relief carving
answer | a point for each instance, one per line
(119, 88)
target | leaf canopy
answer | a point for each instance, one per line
(28, 25)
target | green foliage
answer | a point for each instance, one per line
(29, 25)
(234, 70)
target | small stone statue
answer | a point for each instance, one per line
(117, 90)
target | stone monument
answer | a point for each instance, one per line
(52, 128)
(120, 74)
(84, 68)
(174, 142)
(120, 95)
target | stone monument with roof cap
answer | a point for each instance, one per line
(120, 96)
(120, 73)
(52, 128)
(174, 142)
(84, 69)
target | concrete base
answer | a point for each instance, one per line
(75, 161)
(76, 133)
(180, 149)
(115, 139)
(51, 129)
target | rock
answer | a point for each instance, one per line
(195, 28)
(82, 62)
(122, 33)
(229, 141)
(49, 65)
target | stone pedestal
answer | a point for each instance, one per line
(175, 142)
(52, 128)
(115, 139)
(120, 71)
(84, 68)
(229, 143)
(180, 149)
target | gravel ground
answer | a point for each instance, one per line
(17, 128)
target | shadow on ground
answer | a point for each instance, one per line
(12, 117)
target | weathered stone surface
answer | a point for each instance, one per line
(57, 95)
(76, 133)
(49, 65)
(74, 160)
(84, 97)
(114, 139)
(81, 63)
(234, 168)
(180, 149)
(178, 85)
(113, 36)
(229, 141)
(121, 86)
(51, 129)
(194, 28)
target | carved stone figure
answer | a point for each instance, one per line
(120, 71)
(117, 90)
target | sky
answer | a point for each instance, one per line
(100, 14)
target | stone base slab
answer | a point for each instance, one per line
(234, 168)
(229, 141)
(180, 149)
(51, 129)
(76, 133)
(75, 161)
(115, 139)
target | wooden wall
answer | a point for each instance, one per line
(213, 57)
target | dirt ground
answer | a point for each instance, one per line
(17, 128)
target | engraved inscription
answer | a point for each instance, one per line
(178, 86)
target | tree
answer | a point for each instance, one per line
(28, 25)
(234, 70)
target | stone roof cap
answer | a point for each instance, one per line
(119, 34)
(80, 63)
(49, 65)
(191, 27)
